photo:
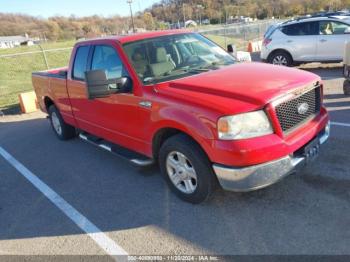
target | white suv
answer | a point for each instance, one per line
(305, 40)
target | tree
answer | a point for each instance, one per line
(87, 29)
(159, 15)
(187, 11)
(53, 30)
(148, 21)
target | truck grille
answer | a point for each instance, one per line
(291, 115)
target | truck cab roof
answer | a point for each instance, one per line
(137, 36)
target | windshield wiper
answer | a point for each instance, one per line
(219, 63)
(197, 70)
(216, 65)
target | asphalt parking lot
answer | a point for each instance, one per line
(133, 210)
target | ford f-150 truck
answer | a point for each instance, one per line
(177, 99)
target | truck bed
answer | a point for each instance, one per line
(51, 83)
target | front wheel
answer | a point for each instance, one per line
(187, 169)
(281, 58)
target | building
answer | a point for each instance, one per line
(13, 41)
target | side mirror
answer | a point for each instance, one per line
(232, 50)
(124, 84)
(98, 86)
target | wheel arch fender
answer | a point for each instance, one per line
(48, 101)
(280, 50)
(174, 121)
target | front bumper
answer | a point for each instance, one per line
(260, 176)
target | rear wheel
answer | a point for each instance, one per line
(61, 129)
(281, 58)
(186, 168)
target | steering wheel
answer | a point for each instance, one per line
(193, 59)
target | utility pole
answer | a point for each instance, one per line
(200, 8)
(183, 12)
(132, 18)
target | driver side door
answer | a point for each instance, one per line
(117, 115)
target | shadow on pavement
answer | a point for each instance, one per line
(326, 71)
(295, 216)
(339, 107)
(335, 96)
(10, 110)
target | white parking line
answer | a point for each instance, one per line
(340, 124)
(107, 244)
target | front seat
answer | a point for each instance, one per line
(140, 63)
(164, 63)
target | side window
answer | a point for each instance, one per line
(291, 29)
(80, 62)
(333, 28)
(107, 58)
(300, 29)
(138, 55)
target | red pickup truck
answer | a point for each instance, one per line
(178, 99)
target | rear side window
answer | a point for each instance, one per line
(106, 58)
(270, 31)
(300, 29)
(80, 62)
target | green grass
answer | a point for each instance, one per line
(49, 45)
(241, 44)
(15, 71)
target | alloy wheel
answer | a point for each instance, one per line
(56, 123)
(280, 60)
(181, 172)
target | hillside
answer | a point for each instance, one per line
(159, 16)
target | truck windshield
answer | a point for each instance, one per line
(170, 57)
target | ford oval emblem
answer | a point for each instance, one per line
(303, 108)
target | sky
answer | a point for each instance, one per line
(47, 8)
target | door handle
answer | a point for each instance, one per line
(323, 40)
(146, 104)
(289, 41)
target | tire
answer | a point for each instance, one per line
(61, 129)
(196, 160)
(281, 58)
(346, 87)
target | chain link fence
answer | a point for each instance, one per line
(240, 34)
(16, 71)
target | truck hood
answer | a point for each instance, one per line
(253, 83)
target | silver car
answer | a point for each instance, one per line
(319, 39)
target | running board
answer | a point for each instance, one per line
(134, 157)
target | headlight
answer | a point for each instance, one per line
(247, 125)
